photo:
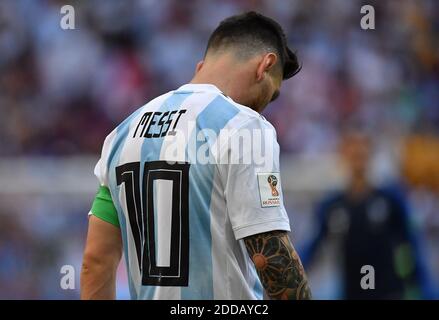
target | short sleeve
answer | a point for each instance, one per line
(103, 206)
(101, 168)
(253, 188)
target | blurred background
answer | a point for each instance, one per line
(358, 130)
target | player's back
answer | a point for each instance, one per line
(180, 211)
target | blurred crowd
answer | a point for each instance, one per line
(63, 91)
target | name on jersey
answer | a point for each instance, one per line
(158, 124)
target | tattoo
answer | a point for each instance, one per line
(278, 266)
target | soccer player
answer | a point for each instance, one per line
(192, 229)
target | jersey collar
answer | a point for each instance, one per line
(197, 87)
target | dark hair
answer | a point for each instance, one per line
(252, 32)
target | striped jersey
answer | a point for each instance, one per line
(190, 174)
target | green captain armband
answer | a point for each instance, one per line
(103, 207)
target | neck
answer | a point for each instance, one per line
(228, 87)
(213, 71)
(220, 84)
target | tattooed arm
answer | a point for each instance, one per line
(278, 266)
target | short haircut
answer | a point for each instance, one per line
(251, 33)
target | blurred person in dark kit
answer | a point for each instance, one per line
(371, 225)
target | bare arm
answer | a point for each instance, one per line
(278, 266)
(103, 251)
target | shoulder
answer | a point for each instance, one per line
(246, 117)
(392, 193)
(124, 124)
(246, 130)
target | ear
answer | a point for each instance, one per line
(266, 64)
(199, 66)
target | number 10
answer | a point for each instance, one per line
(168, 266)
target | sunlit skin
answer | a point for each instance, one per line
(102, 254)
(254, 82)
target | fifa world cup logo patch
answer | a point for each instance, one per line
(272, 180)
(269, 185)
